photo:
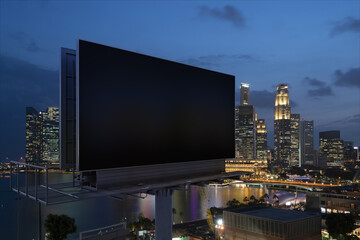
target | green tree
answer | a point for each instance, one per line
(246, 199)
(233, 203)
(339, 225)
(59, 226)
(265, 196)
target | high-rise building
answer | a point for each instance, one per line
(350, 153)
(245, 126)
(261, 139)
(282, 126)
(32, 135)
(331, 145)
(42, 135)
(295, 134)
(247, 132)
(244, 94)
(307, 155)
(237, 134)
(50, 135)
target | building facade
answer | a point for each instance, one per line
(247, 132)
(244, 94)
(295, 139)
(256, 166)
(264, 223)
(282, 126)
(334, 202)
(307, 154)
(261, 139)
(42, 135)
(50, 135)
(331, 145)
(245, 126)
(32, 136)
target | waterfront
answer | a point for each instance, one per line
(19, 218)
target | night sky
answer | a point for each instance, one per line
(314, 46)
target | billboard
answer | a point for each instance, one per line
(136, 110)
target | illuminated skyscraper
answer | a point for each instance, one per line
(32, 136)
(247, 132)
(50, 135)
(307, 153)
(261, 139)
(237, 134)
(244, 94)
(331, 145)
(282, 126)
(42, 135)
(245, 126)
(295, 125)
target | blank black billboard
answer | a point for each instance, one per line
(137, 110)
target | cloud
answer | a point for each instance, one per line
(348, 24)
(22, 84)
(25, 42)
(321, 92)
(216, 60)
(351, 78)
(228, 13)
(314, 82)
(320, 88)
(352, 121)
(262, 99)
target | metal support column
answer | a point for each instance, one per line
(40, 234)
(163, 214)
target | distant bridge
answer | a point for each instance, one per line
(287, 186)
(296, 185)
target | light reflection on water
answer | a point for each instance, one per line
(20, 217)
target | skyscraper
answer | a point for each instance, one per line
(261, 139)
(244, 94)
(331, 145)
(282, 126)
(247, 132)
(32, 135)
(42, 135)
(237, 134)
(246, 125)
(307, 154)
(50, 135)
(295, 124)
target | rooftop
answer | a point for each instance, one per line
(275, 214)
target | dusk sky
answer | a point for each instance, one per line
(314, 46)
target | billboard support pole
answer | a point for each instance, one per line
(163, 214)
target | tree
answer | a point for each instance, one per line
(283, 176)
(252, 198)
(181, 216)
(339, 225)
(246, 199)
(265, 196)
(59, 226)
(233, 203)
(174, 212)
(275, 197)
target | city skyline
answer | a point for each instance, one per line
(263, 44)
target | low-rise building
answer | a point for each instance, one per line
(266, 223)
(334, 202)
(257, 166)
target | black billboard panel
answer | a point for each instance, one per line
(135, 110)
